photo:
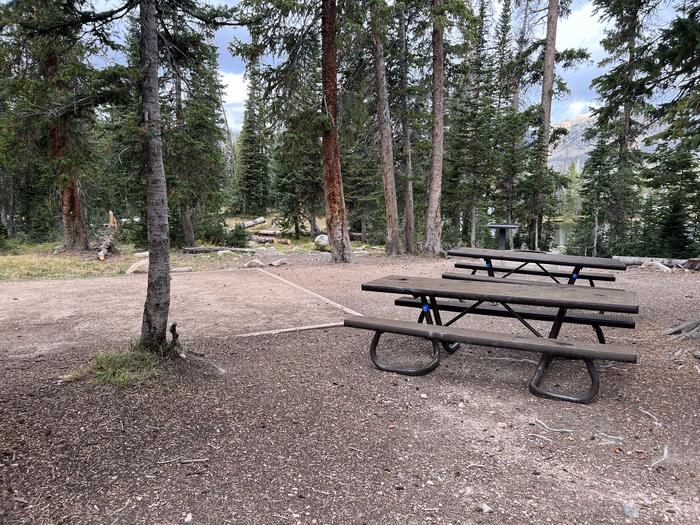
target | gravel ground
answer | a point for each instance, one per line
(300, 428)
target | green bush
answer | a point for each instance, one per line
(134, 232)
(238, 237)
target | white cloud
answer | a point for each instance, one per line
(582, 28)
(235, 88)
(576, 108)
(235, 95)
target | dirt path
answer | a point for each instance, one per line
(40, 317)
(301, 428)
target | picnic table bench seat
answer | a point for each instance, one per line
(585, 275)
(451, 335)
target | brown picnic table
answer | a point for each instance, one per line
(580, 266)
(436, 297)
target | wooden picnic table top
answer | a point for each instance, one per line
(573, 297)
(537, 257)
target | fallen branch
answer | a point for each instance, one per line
(655, 419)
(614, 438)
(540, 436)
(544, 425)
(663, 458)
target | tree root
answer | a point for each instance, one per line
(687, 330)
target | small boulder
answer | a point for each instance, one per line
(253, 264)
(278, 262)
(224, 252)
(141, 254)
(181, 269)
(138, 267)
(322, 242)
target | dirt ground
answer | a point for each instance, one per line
(300, 428)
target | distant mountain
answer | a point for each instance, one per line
(574, 148)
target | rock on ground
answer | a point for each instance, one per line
(321, 241)
(254, 264)
(141, 254)
(279, 262)
(138, 267)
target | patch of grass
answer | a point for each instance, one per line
(123, 369)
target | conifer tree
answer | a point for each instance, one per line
(252, 178)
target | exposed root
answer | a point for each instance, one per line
(663, 458)
(544, 425)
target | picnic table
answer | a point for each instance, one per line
(436, 297)
(578, 264)
(501, 232)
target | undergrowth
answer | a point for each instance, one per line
(125, 368)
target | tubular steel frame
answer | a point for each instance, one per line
(430, 313)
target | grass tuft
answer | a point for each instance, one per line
(124, 369)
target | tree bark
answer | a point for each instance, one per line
(392, 244)
(185, 215)
(433, 219)
(409, 224)
(74, 231)
(187, 226)
(546, 103)
(336, 214)
(157, 306)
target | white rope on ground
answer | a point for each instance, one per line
(324, 299)
(295, 329)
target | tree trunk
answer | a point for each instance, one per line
(595, 233)
(392, 244)
(472, 226)
(157, 306)
(187, 226)
(433, 220)
(74, 231)
(409, 221)
(185, 215)
(336, 215)
(313, 227)
(546, 103)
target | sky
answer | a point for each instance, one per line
(581, 28)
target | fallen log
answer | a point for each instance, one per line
(211, 249)
(638, 261)
(692, 264)
(268, 233)
(254, 222)
(107, 244)
(262, 240)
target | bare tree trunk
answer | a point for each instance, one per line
(185, 215)
(74, 231)
(392, 244)
(187, 226)
(409, 221)
(433, 219)
(546, 103)
(472, 226)
(336, 214)
(313, 227)
(595, 233)
(157, 306)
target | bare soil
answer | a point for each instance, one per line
(300, 428)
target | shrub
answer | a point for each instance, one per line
(238, 237)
